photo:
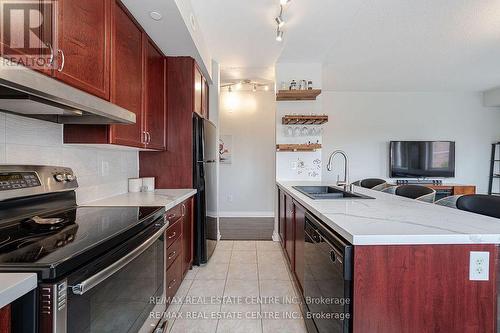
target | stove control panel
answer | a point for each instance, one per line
(18, 180)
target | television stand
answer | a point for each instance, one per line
(444, 190)
(419, 182)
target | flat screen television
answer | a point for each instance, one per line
(422, 159)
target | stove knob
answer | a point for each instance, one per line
(59, 177)
(70, 177)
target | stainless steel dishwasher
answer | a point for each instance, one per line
(327, 279)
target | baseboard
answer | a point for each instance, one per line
(246, 214)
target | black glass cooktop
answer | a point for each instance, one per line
(70, 237)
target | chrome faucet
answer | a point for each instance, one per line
(345, 182)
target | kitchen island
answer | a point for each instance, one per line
(411, 260)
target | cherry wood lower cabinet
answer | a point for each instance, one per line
(300, 219)
(282, 218)
(178, 245)
(406, 288)
(290, 231)
(5, 319)
(422, 288)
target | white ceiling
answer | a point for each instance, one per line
(365, 45)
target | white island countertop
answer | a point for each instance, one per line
(391, 220)
(15, 285)
(166, 198)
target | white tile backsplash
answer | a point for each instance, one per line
(30, 141)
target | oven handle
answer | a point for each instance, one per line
(86, 285)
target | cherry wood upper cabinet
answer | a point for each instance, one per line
(155, 96)
(198, 83)
(127, 75)
(83, 33)
(36, 49)
(204, 98)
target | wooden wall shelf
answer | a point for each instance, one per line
(298, 147)
(298, 95)
(304, 120)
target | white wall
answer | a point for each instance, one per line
(246, 187)
(31, 141)
(363, 123)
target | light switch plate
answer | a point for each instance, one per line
(479, 266)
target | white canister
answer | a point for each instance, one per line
(135, 185)
(148, 184)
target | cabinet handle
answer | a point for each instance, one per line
(63, 60)
(183, 210)
(171, 284)
(149, 137)
(172, 235)
(51, 59)
(171, 255)
(171, 217)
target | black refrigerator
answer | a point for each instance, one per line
(205, 182)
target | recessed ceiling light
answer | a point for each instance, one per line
(279, 35)
(266, 88)
(156, 16)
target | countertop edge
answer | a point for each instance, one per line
(12, 290)
(137, 199)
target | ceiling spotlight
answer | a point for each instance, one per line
(230, 89)
(155, 16)
(266, 88)
(279, 20)
(279, 35)
(254, 88)
(284, 2)
(238, 85)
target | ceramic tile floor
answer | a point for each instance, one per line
(246, 287)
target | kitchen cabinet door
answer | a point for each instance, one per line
(290, 231)
(282, 217)
(204, 98)
(33, 50)
(198, 83)
(300, 218)
(187, 234)
(5, 319)
(83, 33)
(155, 95)
(126, 75)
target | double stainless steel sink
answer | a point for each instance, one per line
(328, 192)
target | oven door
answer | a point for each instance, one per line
(122, 291)
(327, 285)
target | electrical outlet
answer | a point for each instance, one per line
(479, 266)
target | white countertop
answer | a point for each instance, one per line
(15, 285)
(167, 198)
(390, 219)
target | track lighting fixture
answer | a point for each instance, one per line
(279, 19)
(279, 35)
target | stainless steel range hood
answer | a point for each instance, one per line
(28, 93)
